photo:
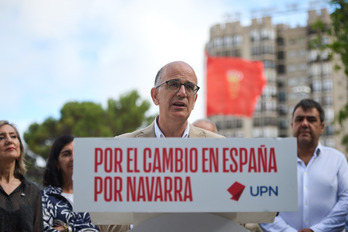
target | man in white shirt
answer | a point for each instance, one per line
(322, 174)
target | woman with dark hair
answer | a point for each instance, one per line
(20, 199)
(57, 197)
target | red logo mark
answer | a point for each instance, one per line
(236, 190)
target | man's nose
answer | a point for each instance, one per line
(182, 90)
(305, 122)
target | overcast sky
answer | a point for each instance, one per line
(55, 51)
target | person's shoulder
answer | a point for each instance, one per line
(329, 149)
(148, 131)
(52, 190)
(213, 135)
(134, 134)
(128, 135)
(331, 152)
(31, 186)
(196, 132)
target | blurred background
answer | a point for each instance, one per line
(87, 67)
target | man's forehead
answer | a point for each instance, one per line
(306, 112)
(179, 71)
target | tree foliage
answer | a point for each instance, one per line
(339, 30)
(89, 119)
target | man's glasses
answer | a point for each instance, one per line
(175, 84)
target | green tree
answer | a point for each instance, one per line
(339, 30)
(124, 117)
(88, 119)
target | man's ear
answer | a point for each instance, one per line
(154, 96)
(194, 103)
(322, 127)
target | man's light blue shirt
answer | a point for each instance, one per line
(322, 194)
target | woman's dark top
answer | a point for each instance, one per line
(22, 209)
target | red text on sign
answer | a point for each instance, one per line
(158, 188)
(132, 160)
(210, 159)
(170, 160)
(109, 159)
(253, 160)
(109, 188)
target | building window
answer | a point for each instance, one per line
(237, 39)
(316, 86)
(236, 52)
(329, 114)
(269, 106)
(328, 100)
(330, 143)
(269, 64)
(281, 55)
(302, 67)
(317, 99)
(267, 34)
(329, 130)
(267, 121)
(258, 106)
(282, 97)
(327, 84)
(325, 55)
(314, 70)
(270, 75)
(325, 40)
(282, 110)
(291, 68)
(327, 69)
(254, 36)
(280, 69)
(270, 132)
(255, 51)
(269, 91)
(228, 41)
(267, 49)
(218, 43)
(313, 55)
(302, 53)
(257, 132)
(291, 54)
(283, 124)
(292, 81)
(292, 41)
(280, 41)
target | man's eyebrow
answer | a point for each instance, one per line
(303, 116)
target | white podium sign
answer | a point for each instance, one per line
(185, 175)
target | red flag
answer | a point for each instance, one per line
(233, 85)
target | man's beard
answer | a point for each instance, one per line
(305, 142)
